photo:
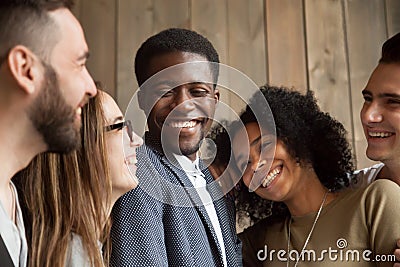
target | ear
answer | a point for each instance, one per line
(25, 68)
(141, 100)
(216, 95)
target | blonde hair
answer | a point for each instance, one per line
(65, 194)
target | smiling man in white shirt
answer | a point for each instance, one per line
(380, 114)
(380, 117)
(44, 84)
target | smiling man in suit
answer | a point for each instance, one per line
(173, 217)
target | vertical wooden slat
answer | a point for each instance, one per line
(135, 25)
(393, 16)
(286, 44)
(137, 21)
(364, 52)
(209, 18)
(246, 43)
(98, 20)
(246, 38)
(76, 9)
(335, 45)
(171, 13)
(327, 64)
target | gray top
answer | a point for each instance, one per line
(77, 255)
(367, 175)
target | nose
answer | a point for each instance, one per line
(256, 163)
(260, 165)
(183, 101)
(371, 113)
(91, 89)
(259, 172)
(136, 140)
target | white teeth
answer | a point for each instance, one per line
(379, 134)
(270, 177)
(79, 111)
(182, 124)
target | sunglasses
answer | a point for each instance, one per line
(119, 126)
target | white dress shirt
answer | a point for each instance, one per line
(14, 234)
(196, 177)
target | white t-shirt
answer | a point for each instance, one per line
(367, 175)
(77, 255)
(14, 234)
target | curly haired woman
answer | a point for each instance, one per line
(317, 218)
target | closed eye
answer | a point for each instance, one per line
(163, 92)
(199, 92)
(244, 166)
(393, 101)
(266, 145)
(367, 98)
(166, 93)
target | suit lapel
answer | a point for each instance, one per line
(226, 215)
(184, 181)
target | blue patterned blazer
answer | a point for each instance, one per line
(148, 231)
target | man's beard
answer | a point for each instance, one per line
(53, 118)
(169, 144)
(192, 148)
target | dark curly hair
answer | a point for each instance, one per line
(220, 136)
(311, 137)
(174, 40)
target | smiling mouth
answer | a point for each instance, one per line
(271, 176)
(183, 123)
(380, 134)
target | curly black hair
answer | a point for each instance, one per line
(220, 136)
(174, 40)
(310, 135)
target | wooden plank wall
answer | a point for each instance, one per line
(328, 46)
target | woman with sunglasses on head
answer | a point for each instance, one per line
(70, 197)
(303, 165)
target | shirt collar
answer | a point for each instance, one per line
(187, 165)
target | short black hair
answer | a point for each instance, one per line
(391, 50)
(38, 4)
(174, 40)
(26, 22)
